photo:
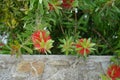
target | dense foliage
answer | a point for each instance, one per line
(95, 19)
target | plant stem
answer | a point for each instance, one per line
(62, 29)
(75, 23)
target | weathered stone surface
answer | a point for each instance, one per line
(59, 63)
(2, 64)
(34, 67)
(52, 67)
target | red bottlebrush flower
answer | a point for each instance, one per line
(42, 41)
(67, 3)
(84, 46)
(114, 72)
(40, 35)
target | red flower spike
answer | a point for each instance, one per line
(42, 41)
(67, 3)
(39, 35)
(114, 72)
(83, 51)
(84, 46)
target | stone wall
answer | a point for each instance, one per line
(52, 67)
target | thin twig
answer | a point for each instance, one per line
(75, 22)
(62, 29)
(94, 30)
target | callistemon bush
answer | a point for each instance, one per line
(113, 72)
(84, 46)
(42, 41)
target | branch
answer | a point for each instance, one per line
(94, 30)
(62, 29)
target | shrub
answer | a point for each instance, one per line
(95, 19)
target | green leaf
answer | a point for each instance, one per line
(27, 49)
(4, 51)
(117, 79)
(57, 11)
(83, 20)
(41, 9)
(19, 37)
(104, 77)
(31, 4)
(117, 9)
(75, 3)
(45, 2)
(92, 44)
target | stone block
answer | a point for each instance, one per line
(33, 67)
